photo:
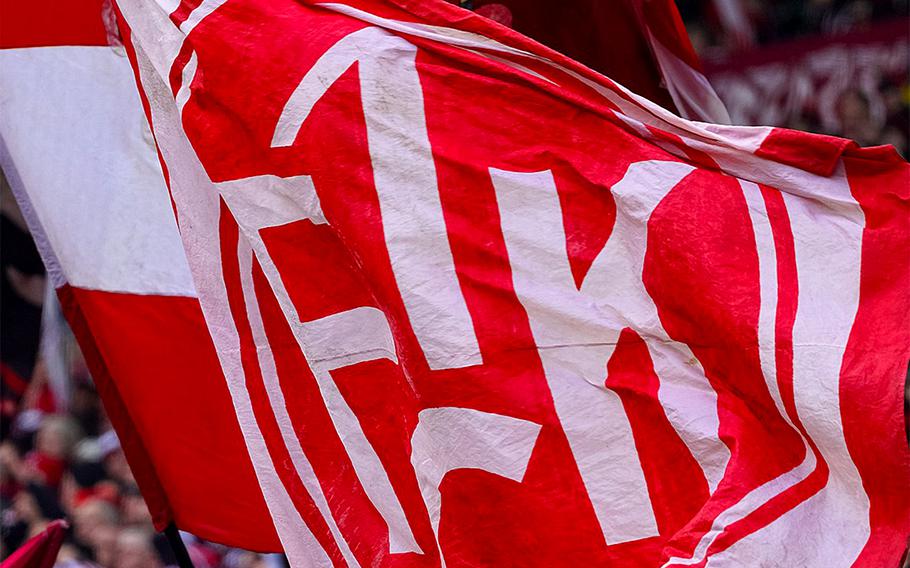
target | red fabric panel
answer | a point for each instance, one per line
(156, 370)
(133, 447)
(38, 23)
(879, 349)
(816, 153)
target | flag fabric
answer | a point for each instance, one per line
(477, 305)
(41, 550)
(641, 44)
(78, 153)
(83, 166)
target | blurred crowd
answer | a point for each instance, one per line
(70, 465)
(720, 27)
(838, 67)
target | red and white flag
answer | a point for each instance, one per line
(82, 161)
(79, 155)
(474, 304)
(477, 305)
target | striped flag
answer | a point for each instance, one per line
(466, 302)
(480, 306)
(77, 150)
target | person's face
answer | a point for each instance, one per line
(51, 441)
(135, 510)
(104, 544)
(68, 490)
(133, 553)
(853, 110)
(26, 507)
(90, 522)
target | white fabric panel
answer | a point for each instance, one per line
(693, 94)
(277, 401)
(202, 208)
(329, 343)
(412, 218)
(451, 438)
(84, 159)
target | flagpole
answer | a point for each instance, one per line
(173, 538)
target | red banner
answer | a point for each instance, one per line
(478, 305)
(474, 304)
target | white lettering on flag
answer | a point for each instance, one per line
(576, 332)
(405, 178)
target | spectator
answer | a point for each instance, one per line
(96, 523)
(49, 469)
(135, 549)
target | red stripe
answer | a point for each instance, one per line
(184, 10)
(814, 153)
(156, 369)
(41, 23)
(696, 157)
(135, 450)
(12, 380)
(788, 292)
(875, 362)
(262, 409)
(668, 465)
(175, 75)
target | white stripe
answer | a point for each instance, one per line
(615, 278)
(279, 407)
(574, 342)
(186, 81)
(270, 201)
(346, 338)
(450, 438)
(767, 262)
(746, 506)
(200, 210)
(412, 218)
(691, 92)
(413, 223)
(767, 315)
(197, 15)
(830, 528)
(640, 108)
(367, 466)
(512, 64)
(168, 5)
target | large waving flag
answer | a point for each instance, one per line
(477, 305)
(81, 158)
